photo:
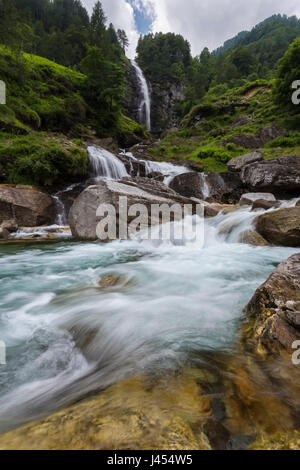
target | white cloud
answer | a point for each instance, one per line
(211, 22)
(121, 14)
(203, 22)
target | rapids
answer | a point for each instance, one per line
(67, 337)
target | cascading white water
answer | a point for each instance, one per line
(167, 169)
(105, 164)
(205, 187)
(145, 105)
(66, 337)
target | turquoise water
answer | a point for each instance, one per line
(66, 336)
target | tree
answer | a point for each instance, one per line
(123, 39)
(104, 88)
(98, 25)
(288, 73)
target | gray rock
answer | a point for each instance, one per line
(83, 219)
(4, 234)
(10, 225)
(250, 237)
(260, 139)
(28, 206)
(275, 309)
(263, 204)
(249, 198)
(236, 164)
(219, 187)
(280, 176)
(280, 227)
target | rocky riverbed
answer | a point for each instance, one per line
(138, 345)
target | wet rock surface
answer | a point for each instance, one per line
(280, 227)
(26, 205)
(275, 310)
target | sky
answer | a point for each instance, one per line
(205, 23)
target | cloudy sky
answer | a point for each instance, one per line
(203, 22)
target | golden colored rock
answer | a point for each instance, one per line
(132, 414)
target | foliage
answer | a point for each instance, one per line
(288, 72)
(164, 57)
(39, 160)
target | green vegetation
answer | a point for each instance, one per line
(38, 159)
(46, 98)
(288, 72)
(207, 132)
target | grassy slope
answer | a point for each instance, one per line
(44, 122)
(205, 130)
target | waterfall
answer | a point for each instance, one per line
(167, 169)
(145, 105)
(205, 187)
(105, 164)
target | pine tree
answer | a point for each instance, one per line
(98, 25)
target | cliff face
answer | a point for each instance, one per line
(165, 102)
(133, 94)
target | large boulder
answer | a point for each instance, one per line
(236, 164)
(258, 140)
(280, 176)
(249, 198)
(218, 187)
(83, 219)
(27, 205)
(280, 227)
(275, 310)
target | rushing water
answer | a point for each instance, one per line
(145, 104)
(167, 169)
(105, 164)
(66, 336)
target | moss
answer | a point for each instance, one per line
(40, 159)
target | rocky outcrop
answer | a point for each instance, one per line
(236, 164)
(27, 205)
(219, 187)
(266, 205)
(251, 237)
(280, 176)
(84, 220)
(165, 100)
(249, 198)
(260, 139)
(133, 94)
(280, 227)
(132, 414)
(275, 310)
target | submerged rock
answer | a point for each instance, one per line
(27, 205)
(275, 310)
(236, 164)
(280, 227)
(132, 414)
